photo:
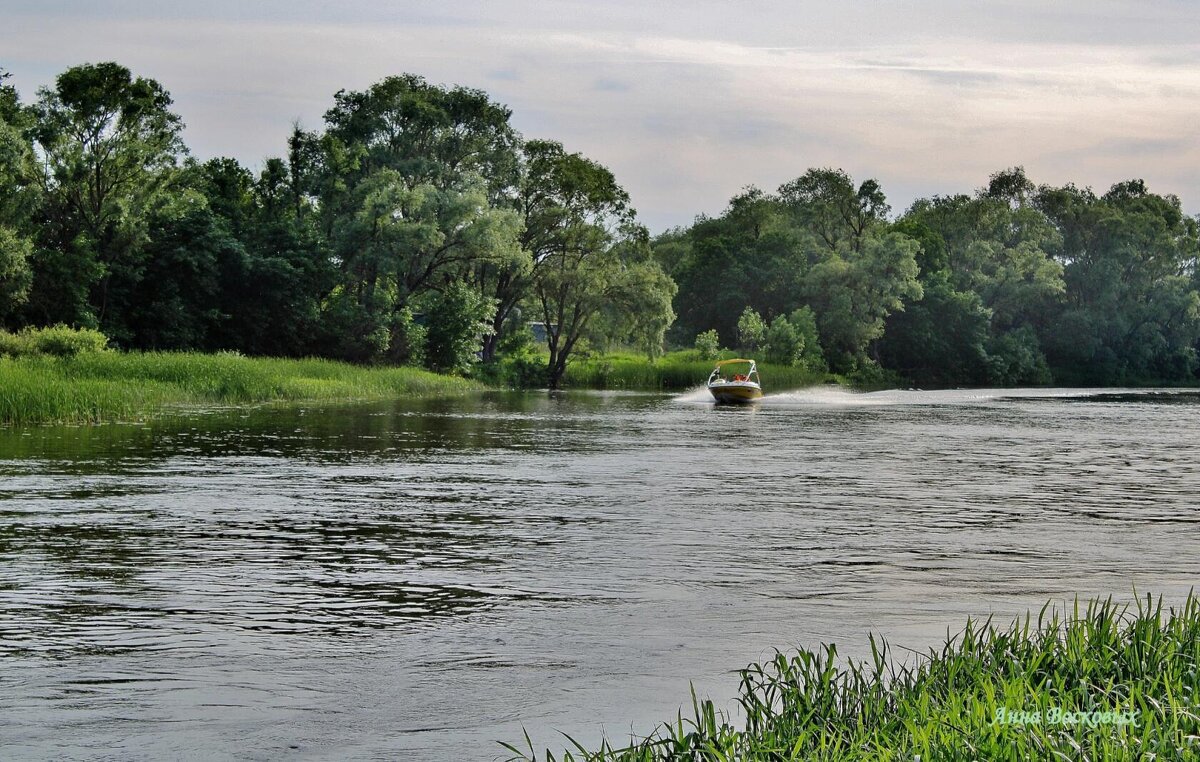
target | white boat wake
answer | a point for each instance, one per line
(837, 396)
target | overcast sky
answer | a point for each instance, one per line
(689, 101)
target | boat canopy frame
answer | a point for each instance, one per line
(750, 375)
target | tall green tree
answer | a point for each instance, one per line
(415, 184)
(986, 260)
(18, 200)
(276, 303)
(1132, 310)
(853, 290)
(826, 203)
(752, 254)
(108, 145)
(593, 272)
(190, 259)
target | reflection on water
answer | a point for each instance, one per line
(421, 579)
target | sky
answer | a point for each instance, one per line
(688, 102)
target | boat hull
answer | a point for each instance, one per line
(736, 392)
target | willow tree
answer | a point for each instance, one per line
(593, 271)
(108, 144)
(414, 183)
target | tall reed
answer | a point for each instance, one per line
(1108, 682)
(95, 386)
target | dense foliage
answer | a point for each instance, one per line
(417, 227)
(1016, 284)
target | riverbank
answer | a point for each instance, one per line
(676, 370)
(92, 387)
(1104, 682)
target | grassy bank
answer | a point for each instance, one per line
(677, 370)
(1103, 683)
(102, 386)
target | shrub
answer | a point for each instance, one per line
(1016, 358)
(456, 319)
(61, 341)
(708, 345)
(804, 321)
(784, 343)
(408, 340)
(13, 345)
(57, 341)
(751, 329)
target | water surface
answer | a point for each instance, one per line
(419, 580)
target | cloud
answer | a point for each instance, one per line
(688, 102)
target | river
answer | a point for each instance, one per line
(419, 580)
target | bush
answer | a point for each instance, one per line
(1016, 358)
(521, 371)
(61, 341)
(13, 345)
(804, 321)
(784, 343)
(751, 329)
(456, 319)
(708, 345)
(408, 340)
(352, 332)
(56, 341)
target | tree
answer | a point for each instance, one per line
(1011, 186)
(853, 291)
(826, 203)
(751, 330)
(404, 240)
(593, 271)
(1132, 308)
(456, 318)
(415, 186)
(18, 199)
(752, 254)
(939, 339)
(988, 258)
(428, 134)
(108, 145)
(784, 344)
(708, 345)
(190, 258)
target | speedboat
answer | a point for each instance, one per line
(737, 387)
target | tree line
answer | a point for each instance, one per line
(417, 226)
(1015, 284)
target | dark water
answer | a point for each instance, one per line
(417, 581)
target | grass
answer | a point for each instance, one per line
(677, 370)
(1141, 664)
(100, 386)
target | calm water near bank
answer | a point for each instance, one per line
(418, 580)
